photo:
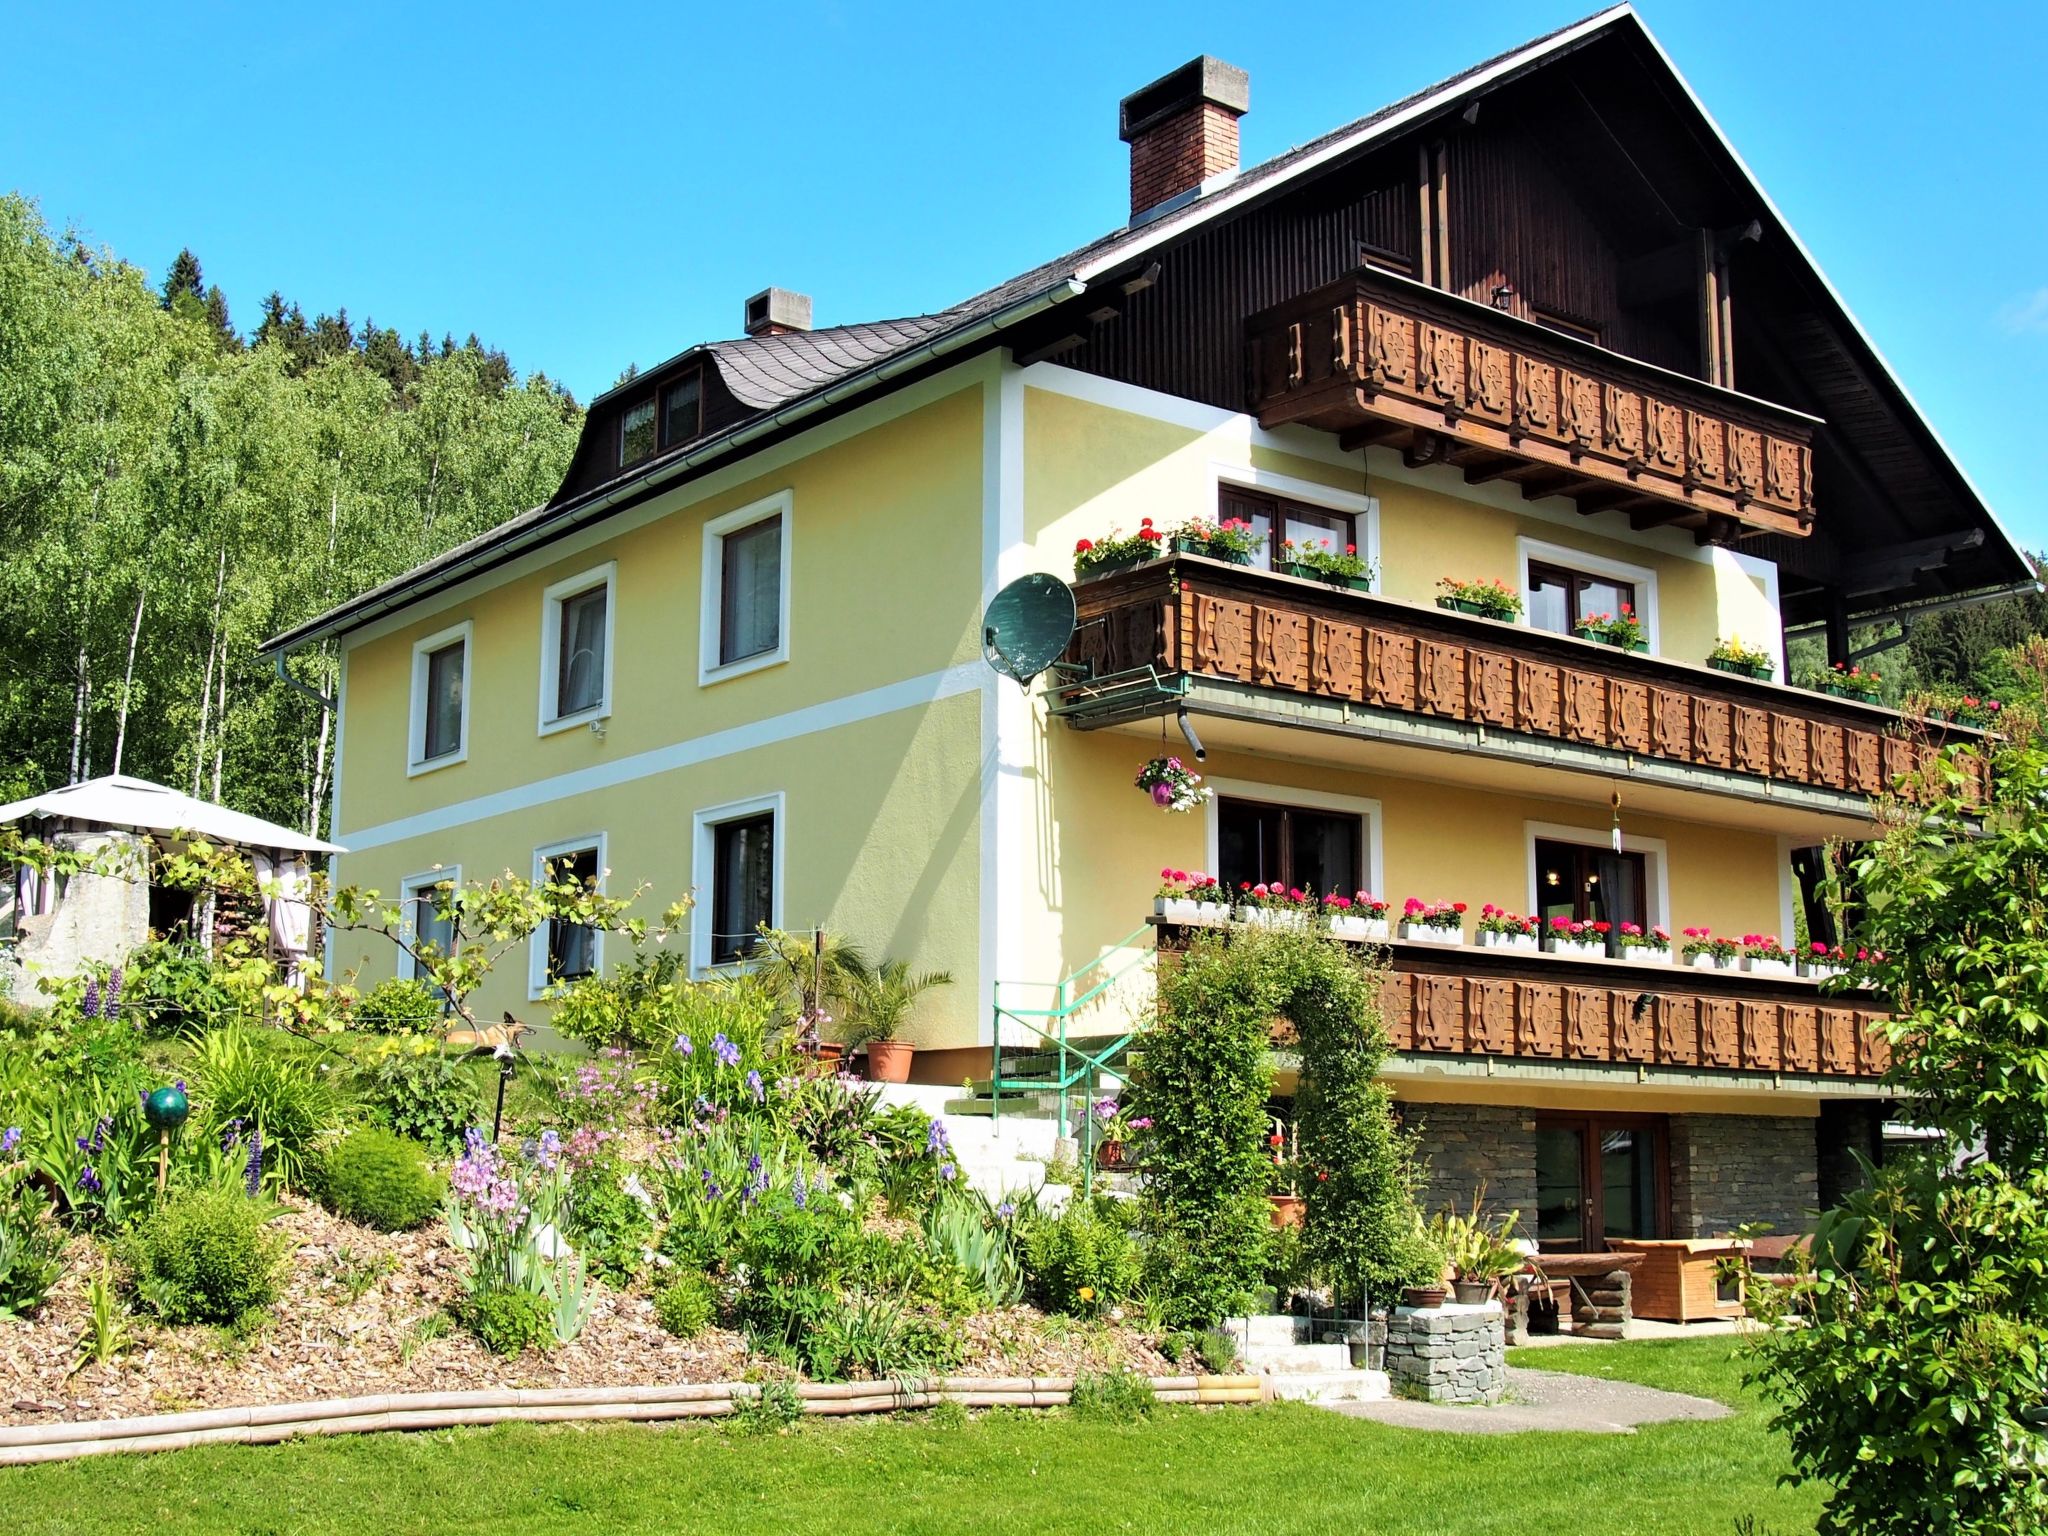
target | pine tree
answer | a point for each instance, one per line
(184, 279)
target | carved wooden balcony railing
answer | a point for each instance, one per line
(1541, 1008)
(1382, 359)
(1192, 618)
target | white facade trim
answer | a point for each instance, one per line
(830, 715)
(1368, 810)
(709, 669)
(409, 890)
(1644, 579)
(704, 827)
(416, 760)
(1656, 862)
(537, 944)
(1010, 720)
(551, 601)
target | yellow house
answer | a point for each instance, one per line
(1537, 327)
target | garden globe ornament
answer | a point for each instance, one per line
(167, 1109)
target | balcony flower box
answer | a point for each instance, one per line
(1520, 943)
(1272, 917)
(1822, 961)
(1432, 922)
(1619, 643)
(1576, 949)
(1646, 954)
(1274, 906)
(1704, 961)
(1483, 599)
(1501, 929)
(1640, 948)
(1763, 955)
(1190, 897)
(1363, 930)
(1762, 965)
(1233, 539)
(1760, 670)
(1426, 933)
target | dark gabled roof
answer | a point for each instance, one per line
(790, 377)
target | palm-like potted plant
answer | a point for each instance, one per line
(1481, 1255)
(879, 1001)
(813, 976)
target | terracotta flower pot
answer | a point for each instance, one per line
(1109, 1154)
(1288, 1210)
(1423, 1296)
(889, 1061)
(1471, 1293)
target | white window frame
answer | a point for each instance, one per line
(537, 944)
(409, 892)
(1310, 493)
(1644, 579)
(416, 759)
(551, 601)
(711, 614)
(1374, 873)
(1656, 862)
(703, 851)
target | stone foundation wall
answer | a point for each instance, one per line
(1730, 1169)
(1448, 1354)
(1467, 1147)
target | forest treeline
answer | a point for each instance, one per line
(173, 491)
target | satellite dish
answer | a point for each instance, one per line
(1027, 626)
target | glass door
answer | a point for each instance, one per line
(1599, 1177)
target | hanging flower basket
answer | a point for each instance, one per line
(1170, 784)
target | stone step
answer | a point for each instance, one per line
(1267, 1329)
(1345, 1386)
(1289, 1359)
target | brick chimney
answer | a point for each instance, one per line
(777, 312)
(1182, 129)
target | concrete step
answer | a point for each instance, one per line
(1267, 1329)
(1345, 1386)
(1292, 1359)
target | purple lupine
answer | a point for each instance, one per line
(935, 1141)
(754, 1086)
(110, 1000)
(90, 1006)
(799, 1193)
(9, 1140)
(252, 1171)
(231, 1134)
(89, 1181)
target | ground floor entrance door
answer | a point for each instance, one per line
(1600, 1176)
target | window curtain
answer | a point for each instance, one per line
(582, 677)
(751, 621)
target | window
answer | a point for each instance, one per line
(1599, 1177)
(576, 649)
(1276, 520)
(421, 922)
(564, 951)
(739, 879)
(1565, 325)
(1592, 885)
(439, 732)
(746, 589)
(682, 409)
(1385, 258)
(1559, 599)
(1298, 846)
(636, 432)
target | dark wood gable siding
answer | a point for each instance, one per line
(597, 455)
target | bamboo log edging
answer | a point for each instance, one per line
(267, 1423)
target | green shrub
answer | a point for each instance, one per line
(1111, 1397)
(1217, 1351)
(609, 1224)
(177, 988)
(508, 1321)
(205, 1256)
(31, 1245)
(686, 1305)
(426, 1096)
(772, 1409)
(379, 1179)
(1081, 1261)
(250, 1080)
(400, 1007)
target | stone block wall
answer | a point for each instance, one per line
(1731, 1169)
(1469, 1146)
(1448, 1354)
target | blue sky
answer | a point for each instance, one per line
(585, 188)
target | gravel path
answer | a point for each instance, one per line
(1550, 1400)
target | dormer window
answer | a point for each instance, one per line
(682, 410)
(636, 433)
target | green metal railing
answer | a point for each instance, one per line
(1076, 1065)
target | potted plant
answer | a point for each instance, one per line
(878, 1003)
(1422, 1263)
(1233, 539)
(1189, 897)
(1171, 784)
(1115, 551)
(1847, 682)
(1274, 906)
(1623, 630)
(1763, 955)
(1731, 655)
(1481, 1256)
(1488, 599)
(1432, 922)
(1823, 960)
(1323, 561)
(1361, 916)
(1289, 1208)
(1115, 1130)
(1704, 952)
(1569, 936)
(1645, 947)
(1501, 929)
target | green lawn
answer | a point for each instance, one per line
(1270, 1470)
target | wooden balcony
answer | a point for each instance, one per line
(1179, 622)
(1384, 360)
(1472, 1002)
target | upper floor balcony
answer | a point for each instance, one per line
(1385, 360)
(1263, 657)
